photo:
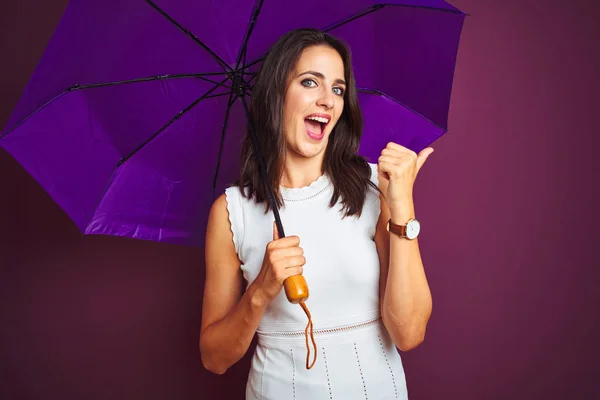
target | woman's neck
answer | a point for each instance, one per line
(301, 171)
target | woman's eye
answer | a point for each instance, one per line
(338, 91)
(308, 83)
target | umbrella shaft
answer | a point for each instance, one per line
(263, 168)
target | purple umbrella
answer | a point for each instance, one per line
(133, 119)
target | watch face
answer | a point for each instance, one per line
(412, 229)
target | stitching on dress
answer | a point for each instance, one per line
(262, 375)
(389, 366)
(293, 373)
(309, 197)
(360, 370)
(327, 373)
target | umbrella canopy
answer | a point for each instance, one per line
(133, 119)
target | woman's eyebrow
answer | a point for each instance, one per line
(321, 76)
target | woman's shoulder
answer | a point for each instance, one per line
(218, 213)
(229, 196)
(228, 206)
(227, 214)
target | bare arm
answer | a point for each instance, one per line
(230, 317)
(404, 292)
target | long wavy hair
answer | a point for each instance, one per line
(348, 172)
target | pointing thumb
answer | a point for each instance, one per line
(422, 157)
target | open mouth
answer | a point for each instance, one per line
(315, 125)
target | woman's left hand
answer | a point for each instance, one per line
(400, 166)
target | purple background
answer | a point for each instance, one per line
(507, 207)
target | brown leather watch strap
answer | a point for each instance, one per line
(399, 230)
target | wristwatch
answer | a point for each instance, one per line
(409, 231)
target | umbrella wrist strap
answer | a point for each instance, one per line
(309, 327)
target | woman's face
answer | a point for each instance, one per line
(314, 101)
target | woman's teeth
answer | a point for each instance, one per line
(319, 119)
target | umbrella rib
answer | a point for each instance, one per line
(212, 96)
(338, 24)
(246, 66)
(52, 100)
(379, 93)
(218, 59)
(214, 82)
(232, 99)
(364, 12)
(149, 79)
(242, 53)
(115, 83)
(175, 118)
(354, 17)
(379, 7)
(453, 11)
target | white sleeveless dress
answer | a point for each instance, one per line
(356, 358)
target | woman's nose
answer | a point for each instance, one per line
(326, 99)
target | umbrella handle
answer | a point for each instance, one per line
(296, 289)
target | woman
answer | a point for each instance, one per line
(368, 291)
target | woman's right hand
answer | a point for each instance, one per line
(283, 258)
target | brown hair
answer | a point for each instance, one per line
(349, 172)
